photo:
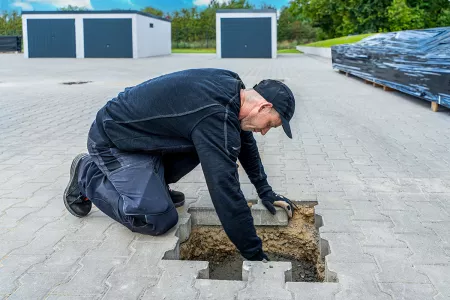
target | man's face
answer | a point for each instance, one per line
(261, 119)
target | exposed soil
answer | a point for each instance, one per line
(298, 242)
(230, 268)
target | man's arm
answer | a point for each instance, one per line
(251, 162)
(217, 142)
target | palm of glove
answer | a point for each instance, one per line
(273, 199)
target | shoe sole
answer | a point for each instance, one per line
(73, 182)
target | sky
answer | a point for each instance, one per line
(164, 5)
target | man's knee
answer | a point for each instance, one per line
(159, 224)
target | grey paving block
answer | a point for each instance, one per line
(116, 243)
(313, 291)
(265, 280)
(439, 276)
(395, 265)
(422, 245)
(345, 247)
(430, 211)
(177, 280)
(128, 286)
(145, 258)
(13, 267)
(367, 211)
(442, 229)
(218, 289)
(356, 281)
(94, 230)
(91, 276)
(409, 291)
(338, 221)
(37, 286)
(393, 201)
(335, 153)
(42, 243)
(379, 234)
(64, 257)
(407, 222)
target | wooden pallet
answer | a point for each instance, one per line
(434, 105)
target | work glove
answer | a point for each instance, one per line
(259, 256)
(270, 199)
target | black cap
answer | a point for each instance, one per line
(281, 97)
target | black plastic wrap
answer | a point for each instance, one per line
(10, 43)
(416, 62)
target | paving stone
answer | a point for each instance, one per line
(422, 245)
(128, 286)
(145, 258)
(12, 267)
(379, 234)
(116, 243)
(395, 265)
(407, 222)
(96, 269)
(177, 280)
(345, 247)
(338, 221)
(43, 243)
(37, 286)
(442, 229)
(64, 258)
(265, 280)
(218, 289)
(439, 276)
(313, 291)
(430, 211)
(367, 211)
(389, 201)
(409, 291)
(94, 230)
(356, 281)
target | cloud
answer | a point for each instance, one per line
(22, 5)
(64, 3)
(206, 2)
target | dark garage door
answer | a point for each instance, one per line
(108, 38)
(51, 38)
(246, 37)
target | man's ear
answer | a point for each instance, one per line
(265, 105)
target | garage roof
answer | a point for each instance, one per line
(93, 12)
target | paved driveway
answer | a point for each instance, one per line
(376, 162)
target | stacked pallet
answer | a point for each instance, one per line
(415, 62)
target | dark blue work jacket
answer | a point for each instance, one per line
(194, 110)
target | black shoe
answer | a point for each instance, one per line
(177, 198)
(76, 204)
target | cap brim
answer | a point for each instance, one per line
(286, 127)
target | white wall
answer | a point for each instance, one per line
(153, 41)
(319, 51)
(220, 16)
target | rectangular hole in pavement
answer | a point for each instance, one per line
(298, 243)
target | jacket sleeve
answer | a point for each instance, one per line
(217, 142)
(251, 162)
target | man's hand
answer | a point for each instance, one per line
(274, 199)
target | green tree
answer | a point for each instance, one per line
(402, 17)
(73, 8)
(444, 18)
(153, 11)
(11, 23)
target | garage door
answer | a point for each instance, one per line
(246, 37)
(110, 38)
(51, 38)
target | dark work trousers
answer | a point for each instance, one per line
(131, 187)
